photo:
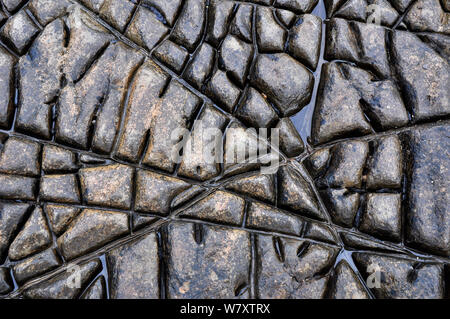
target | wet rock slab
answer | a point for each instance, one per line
(96, 202)
(427, 217)
(134, 269)
(207, 262)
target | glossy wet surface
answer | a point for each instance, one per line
(92, 205)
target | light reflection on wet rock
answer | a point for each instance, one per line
(96, 203)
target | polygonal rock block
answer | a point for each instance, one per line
(91, 230)
(207, 261)
(20, 30)
(109, 186)
(134, 269)
(382, 216)
(286, 82)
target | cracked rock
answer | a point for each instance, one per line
(12, 215)
(219, 16)
(342, 205)
(189, 27)
(424, 76)
(428, 15)
(20, 157)
(60, 188)
(117, 12)
(242, 23)
(402, 278)
(144, 20)
(97, 290)
(382, 216)
(260, 186)
(285, 81)
(256, 110)
(46, 11)
(40, 77)
(56, 159)
(218, 207)
(134, 269)
(154, 192)
(20, 30)
(34, 236)
(36, 265)
(91, 230)
(295, 193)
(427, 218)
(108, 186)
(264, 217)
(337, 94)
(6, 284)
(201, 66)
(270, 36)
(386, 165)
(290, 141)
(305, 39)
(60, 216)
(286, 271)
(346, 165)
(208, 262)
(6, 87)
(172, 55)
(61, 286)
(346, 284)
(236, 56)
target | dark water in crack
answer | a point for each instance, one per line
(303, 119)
(303, 122)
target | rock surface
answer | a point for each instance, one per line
(120, 123)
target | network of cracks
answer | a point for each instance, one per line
(93, 206)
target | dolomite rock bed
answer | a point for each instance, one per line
(91, 91)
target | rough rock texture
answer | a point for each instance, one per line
(121, 123)
(154, 192)
(19, 30)
(285, 270)
(305, 39)
(134, 269)
(90, 230)
(64, 285)
(56, 159)
(264, 217)
(34, 236)
(428, 220)
(295, 193)
(346, 285)
(59, 188)
(36, 265)
(6, 87)
(207, 262)
(218, 207)
(5, 281)
(424, 76)
(92, 107)
(96, 290)
(40, 77)
(146, 20)
(60, 216)
(20, 157)
(403, 278)
(11, 216)
(107, 185)
(284, 80)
